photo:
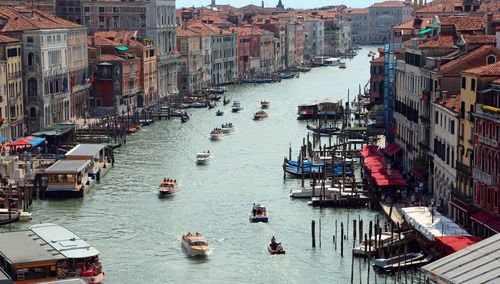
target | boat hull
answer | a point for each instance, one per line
(215, 137)
(95, 279)
(283, 251)
(202, 252)
(257, 219)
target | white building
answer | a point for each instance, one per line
(315, 37)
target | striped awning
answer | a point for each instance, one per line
(27, 141)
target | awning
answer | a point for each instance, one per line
(424, 31)
(418, 173)
(27, 141)
(487, 220)
(392, 149)
(452, 244)
(460, 206)
(122, 48)
(2, 138)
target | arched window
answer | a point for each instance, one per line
(483, 160)
(489, 163)
(491, 59)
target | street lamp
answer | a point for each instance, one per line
(433, 209)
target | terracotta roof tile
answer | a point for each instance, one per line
(480, 39)
(443, 40)
(497, 81)
(486, 70)
(452, 102)
(414, 24)
(463, 23)
(20, 19)
(391, 4)
(6, 39)
(359, 11)
(475, 58)
(378, 59)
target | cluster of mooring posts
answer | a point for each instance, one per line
(333, 168)
(378, 247)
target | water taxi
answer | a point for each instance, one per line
(227, 128)
(331, 108)
(264, 104)
(259, 214)
(342, 65)
(260, 115)
(167, 187)
(216, 134)
(204, 157)
(195, 245)
(69, 178)
(100, 161)
(236, 106)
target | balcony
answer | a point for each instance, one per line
(463, 168)
(14, 75)
(488, 112)
(462, 196)
(487, 141)
(424, 118)
(480, 139)
(13, 100)
(484, 178)
(424, 146)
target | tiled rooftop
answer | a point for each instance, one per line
(21, 19)
(486, 70)
(475, 58)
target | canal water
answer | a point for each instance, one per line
(139, 234)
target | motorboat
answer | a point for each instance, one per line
(236, 106)
(195, 244)
(204, 157)
(219, 113)
(216, 134)
(214, 97)
(227, 128)
(342, 65)
(23, 215)
(167, 187)
(287, 76)
(332, 61)
(260, 115)
(199, 105)
(259, 214)
(264, 104)
(276, 248)
(390, 264)
(306, 111)
(308, 192)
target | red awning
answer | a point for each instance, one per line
(392, 149)
(461, 206)
(370, 150)
(417, 172)
(451, 244)
(487, 220)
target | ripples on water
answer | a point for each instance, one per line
(139, 234)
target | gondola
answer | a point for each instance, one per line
(219, 113)
(185, 118)
(226, 101)
(324, 130)
(11, 220)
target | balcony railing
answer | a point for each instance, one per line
(463, 168)
(14, 75)
(424, 146)
(480, 139)
(484, 178)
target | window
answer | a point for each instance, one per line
(463, 82)
(490, 130)
(86, 9)
(436, 118)
(496, 133)
(491, 59)
(29, 39)
(452, 126)
(101, 9)
(116, 9)
(473, 84)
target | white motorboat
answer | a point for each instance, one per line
(236, 107)
(307, 192)
(227, 128)
(216, 134)
(195, 244)
(204, 157)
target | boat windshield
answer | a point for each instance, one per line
(198, 243)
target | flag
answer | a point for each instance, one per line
(201, 69)
(176, 49)
(71, 84)
(84, 80)
(65, 85)
(393, 129)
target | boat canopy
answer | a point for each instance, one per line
(85, 150)
(24, 247)
(64, 241)
(331, 101)
(67, 167)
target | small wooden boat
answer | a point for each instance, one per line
(195, 245)
(236, 106)
(275, 250)
(342, 65)
(13, 218)
(216, 134)
(264, 104)
(204, 157)
(389, 264)
(167, 187)
(263, 81)
(259, 214)
(228, 127)
(219, 113)
(260, 115)
(287, 76)
(226, 101)
(387, 240)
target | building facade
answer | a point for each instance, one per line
(382, 16)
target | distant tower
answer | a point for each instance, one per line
(280, 5)
(213, 3)
(262, 4)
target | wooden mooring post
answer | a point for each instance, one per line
(313, 233)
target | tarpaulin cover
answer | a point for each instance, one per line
(2, 138)
(27, 141)
(451, 244)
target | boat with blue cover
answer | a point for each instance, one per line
(259, 214)
(287, 76)
(219, 113)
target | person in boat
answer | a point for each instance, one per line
(254, 210)
(279, 247)
(208, 151)
(164, 180)
(175, 181)
(273, 240)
